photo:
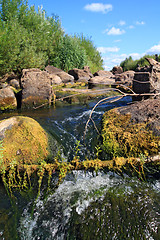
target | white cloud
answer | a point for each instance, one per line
(108, 49)
(99, 7)
(115, 31)
(140, 23)
(153, 50)
(118, 40)
(122, 23)
(131, 27)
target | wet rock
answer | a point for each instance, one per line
(7, 99)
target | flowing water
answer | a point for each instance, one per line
(85, 206)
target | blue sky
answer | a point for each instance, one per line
(118, 28)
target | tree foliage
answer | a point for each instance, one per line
(29, 38)
(130, 64)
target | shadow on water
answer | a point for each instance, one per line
(84, 206)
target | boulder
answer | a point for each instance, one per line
(8, 76)
(117, 70)
(55, 79)
(24, 141)
(65, 77)
(104, 73)
(7, 99)
(132, 131)
(80, 75)
(99, 80)
(36, 87)
(14, 83)
(125, 78)
(155, 74)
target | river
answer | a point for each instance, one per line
(85, 206)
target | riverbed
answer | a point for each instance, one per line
(85, 205)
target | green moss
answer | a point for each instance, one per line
(25, 143)
(7, 104)
(123, 138)
(34, 101)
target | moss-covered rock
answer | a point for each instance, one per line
(23, 141)
(123, 137)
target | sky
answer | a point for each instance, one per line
(118, 28)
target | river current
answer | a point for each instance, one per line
(85, 206)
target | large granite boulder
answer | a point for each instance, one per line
(80, 75)
(7, 99)
(65, 77)
(36, 87)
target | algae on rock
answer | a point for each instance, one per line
(25, 142)
(122, 137)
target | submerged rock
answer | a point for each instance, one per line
(23, 141)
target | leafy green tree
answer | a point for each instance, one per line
(94, 59)
(29, 38)
(70, 54)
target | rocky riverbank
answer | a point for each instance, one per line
(34, 87)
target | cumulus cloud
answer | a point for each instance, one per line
(108, 49)
(115, 31)
(153, 50)
(99, 7)
(140, 23)
(122, 23)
